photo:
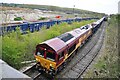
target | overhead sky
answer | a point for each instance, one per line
(102, 6)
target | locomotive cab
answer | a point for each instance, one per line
(46, 58)
(50, 54)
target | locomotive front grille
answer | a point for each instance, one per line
(45, 63)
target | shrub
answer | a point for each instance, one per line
(42, 18)
(17, 48)
(18, 19)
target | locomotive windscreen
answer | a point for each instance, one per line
(48, 54)
(40, 52)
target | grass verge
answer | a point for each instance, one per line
(107, 65)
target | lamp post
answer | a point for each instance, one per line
(73, 9)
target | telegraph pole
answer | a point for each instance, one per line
(73, 9)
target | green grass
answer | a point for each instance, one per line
(42, 18)
(107, 65)
(18, 19)
(17, 48)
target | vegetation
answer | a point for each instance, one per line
(18, 19)
(107, 65)
(17, 48)
(42, 18)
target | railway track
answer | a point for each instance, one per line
(84, 57)
(79, 63)
(35, 74)
(32, 72)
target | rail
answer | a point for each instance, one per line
(84, 58)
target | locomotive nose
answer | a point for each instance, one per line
(45, 65)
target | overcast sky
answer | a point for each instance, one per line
(102, 6)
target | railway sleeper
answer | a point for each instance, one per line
(51, 73)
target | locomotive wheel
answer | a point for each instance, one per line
(61, 67)
(64, 64)
(76, 50)
(37, 66)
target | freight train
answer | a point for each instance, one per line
(36, 26)
(52, 55)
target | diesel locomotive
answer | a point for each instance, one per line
(52, 55)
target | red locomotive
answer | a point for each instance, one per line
(53, 54)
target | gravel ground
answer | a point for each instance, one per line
(27, 14)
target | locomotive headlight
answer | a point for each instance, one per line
(36, 59)
(51, 65)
